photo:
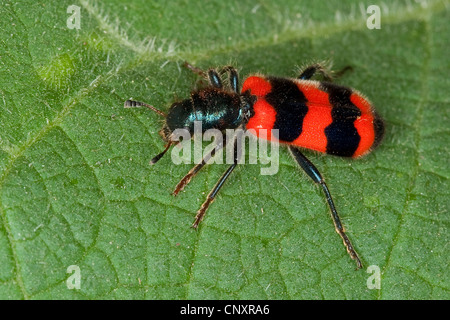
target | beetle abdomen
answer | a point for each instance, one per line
(316, 115)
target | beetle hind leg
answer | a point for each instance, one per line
(327, 75)
(315, 175)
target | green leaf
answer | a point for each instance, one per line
(76, 187)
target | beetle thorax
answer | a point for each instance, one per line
(214, 108)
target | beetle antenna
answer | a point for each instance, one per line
(137, 104)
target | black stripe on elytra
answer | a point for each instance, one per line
(342, 137)
(290, 104)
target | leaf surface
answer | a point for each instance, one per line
(76, 187)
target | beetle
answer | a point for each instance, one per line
(311, 114)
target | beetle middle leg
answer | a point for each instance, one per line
(188, 177)
(213, 193)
